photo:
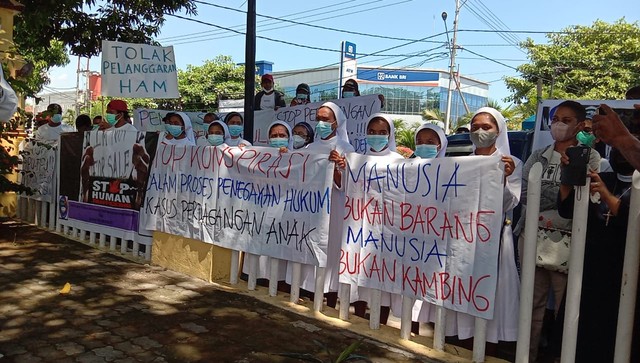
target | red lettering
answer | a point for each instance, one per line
(405, 209)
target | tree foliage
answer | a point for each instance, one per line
(81, 25)
(583, 62)
(201, 87)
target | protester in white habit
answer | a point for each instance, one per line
(330, 139)
(489, 137)
(280, 138)
(217, 135)
(235, 122)
(431, 142)
(178, 130)
(8, 100)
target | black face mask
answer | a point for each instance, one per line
(619, 164)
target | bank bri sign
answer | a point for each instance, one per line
(404, 77)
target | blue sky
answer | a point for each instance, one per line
(408, 19)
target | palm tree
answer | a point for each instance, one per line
(432, 114)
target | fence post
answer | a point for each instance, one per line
(629, 277)
(528, 263)
(576, 266)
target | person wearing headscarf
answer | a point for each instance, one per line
(303, 95)
(280, 139)
(381, 142)
(178, 130)
(489, 137)
(217, 135)
(431, 142)
(235, 123)
(302, 135)
(330, 139)
(280, 136)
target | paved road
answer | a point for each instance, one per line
(121, 311)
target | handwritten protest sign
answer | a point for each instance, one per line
(428, 228)
(254, 199)
(357, 110)
(39, 169)
(138, 70)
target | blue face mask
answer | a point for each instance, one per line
(174, 130)
(426, 151)
(324, 129)
(377, 142)
(57, 118)
(301, 96)
(215, 140)
(236, 130)
(278, 142)
(348, 94)
(298, 141)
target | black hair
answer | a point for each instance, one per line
(215, 116)
(274, 125)
(230, 115)
(576, 107)
(55, 108)
(97, 118)
(633, 93)
(171, 114)
(352, 83)
(83, 121)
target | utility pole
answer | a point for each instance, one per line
(452, 63)
(249, 70)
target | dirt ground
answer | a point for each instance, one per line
(121, 311)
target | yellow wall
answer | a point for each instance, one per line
(8, 201)
(192, 257)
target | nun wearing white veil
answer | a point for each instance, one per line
(330, 139)
(431, 141)
(489, 137)
(281, 138)
(381, 142)
(179, 130)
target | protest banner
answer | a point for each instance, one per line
(255, 200)
(424, 228)
(356, 109)
(107, 173)
(546, 109)
(38, 169)
(138, 70)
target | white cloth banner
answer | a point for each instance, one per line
(425, 228)
(357, 109)
(138, 70)
(254, 199)
(38, 169)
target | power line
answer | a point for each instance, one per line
(319, 26)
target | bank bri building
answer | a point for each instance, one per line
(407, 92)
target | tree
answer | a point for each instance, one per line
(432, 114)
(582, 62)
(81, 25)
(201, 87)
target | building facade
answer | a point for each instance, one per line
(407, 92)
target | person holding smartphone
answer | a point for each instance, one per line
(566, 121)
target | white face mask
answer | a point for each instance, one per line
(561, 131)
(482, 138)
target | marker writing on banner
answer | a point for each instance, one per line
(400, 177)
(314, 201)
(260, 195)
(287, 233)
(162, 207)
(395, 245)
(271, 165)
(163, 182)
(445, 286)
(170, 155)
(149, 118)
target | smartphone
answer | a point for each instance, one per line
(575, 173)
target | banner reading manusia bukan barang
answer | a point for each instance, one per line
(425, 228)
(138, 70)
(255, 200)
